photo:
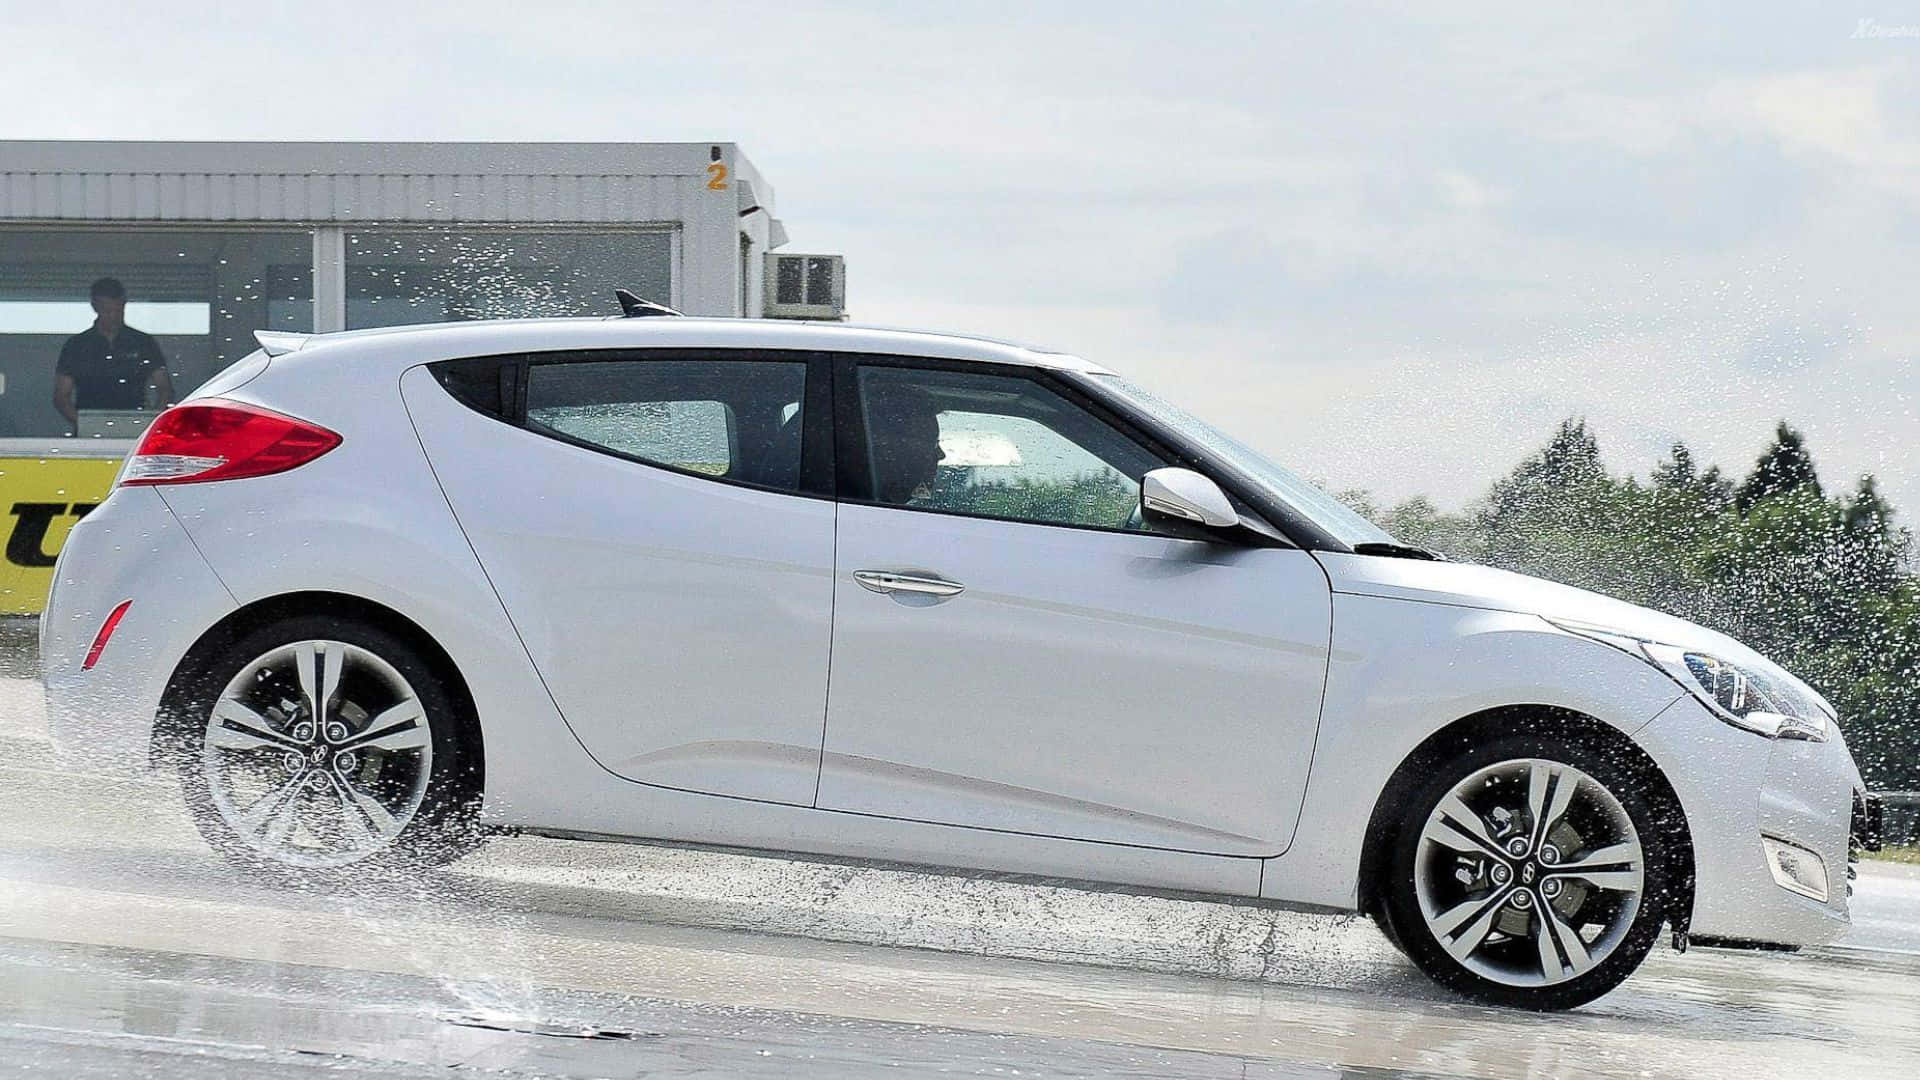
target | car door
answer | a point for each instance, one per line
(1014, 649)
(659, 527)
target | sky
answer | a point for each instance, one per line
(1391, 246)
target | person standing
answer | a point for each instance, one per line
(111, 365)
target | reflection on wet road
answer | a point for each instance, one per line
(126, 948)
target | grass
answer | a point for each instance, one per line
(1901, 854)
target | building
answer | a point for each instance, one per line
(216, 240)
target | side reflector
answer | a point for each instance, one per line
(106, 631)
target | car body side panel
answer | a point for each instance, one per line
(681, 623)
(1124, 687)
(393, 542)
(1402, 670)
(397, 543)
(570, 795)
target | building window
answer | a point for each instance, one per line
(404, 276)
(59, 317)
(199, 292)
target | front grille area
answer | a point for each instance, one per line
(1868, 831)
(1869, 821)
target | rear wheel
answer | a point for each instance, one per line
(318, 743)
(1529, 872)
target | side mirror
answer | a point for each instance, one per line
(1185, 495)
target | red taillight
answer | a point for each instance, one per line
(106, 631)
(222, 440)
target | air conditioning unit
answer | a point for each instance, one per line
(806, 286)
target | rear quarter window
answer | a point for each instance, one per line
(699, 436)
(731, 419)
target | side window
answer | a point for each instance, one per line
(735, 419)
(996, 445)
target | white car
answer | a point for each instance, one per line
(923, 599)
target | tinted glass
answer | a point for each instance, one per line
(998, 446)
(195, 295)
(740, 420)
(1329, 513)
(406, 276)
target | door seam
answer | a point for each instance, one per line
(826, 705)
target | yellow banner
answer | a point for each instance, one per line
(44, 496)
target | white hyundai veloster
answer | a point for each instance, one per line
(880, 595)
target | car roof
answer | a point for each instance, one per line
(434, 341)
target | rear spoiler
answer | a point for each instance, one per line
(280, 342)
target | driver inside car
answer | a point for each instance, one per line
(904, 444)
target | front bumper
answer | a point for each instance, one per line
(1869, 824)
(1738, 791)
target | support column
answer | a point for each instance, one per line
(329, 279)
(709, 238)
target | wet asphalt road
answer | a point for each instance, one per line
(128, 949)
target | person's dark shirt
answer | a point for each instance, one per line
(110, 375)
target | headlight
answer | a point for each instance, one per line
(1769, 703)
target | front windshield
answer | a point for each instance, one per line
(1253, 467)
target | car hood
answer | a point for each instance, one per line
(1468, 585)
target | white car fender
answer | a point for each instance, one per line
(1402, 670)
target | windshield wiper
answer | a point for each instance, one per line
(1395, 550)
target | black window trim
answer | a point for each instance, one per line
(833, 451)
(1301, 531)
(816, 405)
(850, 447)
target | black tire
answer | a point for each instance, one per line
(1383, 921)
(442, 829)
(1405, 923)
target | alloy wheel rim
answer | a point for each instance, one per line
(317, 754)
(1529, 873)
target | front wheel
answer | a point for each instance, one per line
(318, 743)
(1529, 873)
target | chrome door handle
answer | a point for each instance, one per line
(888, 581)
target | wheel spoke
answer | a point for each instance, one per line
(1551, 966)
(1552, 930)
(1549, 793)
(1627, 881)
(1462, 928)
(236, 727)
(306, 661)
(361, 813)
(332, 665)
(280, 829)
(253, 817)
(402, 727)
(1453, 824)
(1617, 869)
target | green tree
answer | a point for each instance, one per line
(1710, 492)
(1784, 466)
(1822, 585)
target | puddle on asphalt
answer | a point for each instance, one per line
(545, 1029)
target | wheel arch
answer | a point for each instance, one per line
(268, 610)
(1467, 731)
